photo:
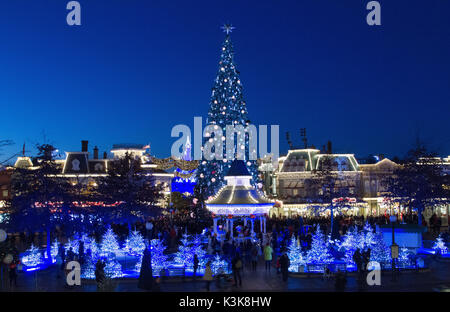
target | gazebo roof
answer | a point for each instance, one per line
(238, 168)
(239, 195)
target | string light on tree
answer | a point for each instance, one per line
(135, 244)
(319, 253)
(109, 243)
(439, 245)
(227, 107)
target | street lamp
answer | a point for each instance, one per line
(394, 246)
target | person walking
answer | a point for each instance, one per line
(268, 256)
(236, 265)
(195, 265)
(13, 274)
(208, 276)
(284, 265)
(255, 255)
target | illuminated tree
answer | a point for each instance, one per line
(158, 259)
(379, 251)
(109, 243)
(350, 243)
(33, 257)
(135, 244)
(439, 245)
(295, 255)
(227, 107)
(366, 238)
(319, 253)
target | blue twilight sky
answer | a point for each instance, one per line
(136, 68)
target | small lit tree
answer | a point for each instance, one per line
(183, 255)
(33, 257)
(135, 244)
(350, 243)
(380, 251)
(109, 243)
(295, 255)
(319, 253)
(439, 245)
(159, 260)
(366, 238)
(219, 265)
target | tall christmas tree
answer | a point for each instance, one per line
(227, 107)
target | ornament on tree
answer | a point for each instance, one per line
(227, 107)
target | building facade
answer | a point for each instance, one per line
(360, 186)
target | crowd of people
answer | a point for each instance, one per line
(243, 253)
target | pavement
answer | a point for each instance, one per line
(435, 278)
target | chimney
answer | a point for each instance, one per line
(84, 146)
(329, 148)
(96, 152)
(105, 155)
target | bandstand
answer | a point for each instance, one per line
(239, 200)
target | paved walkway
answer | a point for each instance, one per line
(437, 278)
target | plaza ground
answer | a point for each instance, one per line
(435, 278)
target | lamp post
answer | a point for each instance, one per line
(394, 246)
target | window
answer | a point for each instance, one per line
(5, 193)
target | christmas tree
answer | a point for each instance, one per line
(366, 238)
(135, 244)
(197, 249)
(404, 256)
(89, 244)
(439, 245)
(72, 243)
(379, 251)
(113, 268)
(219, 265)
(33, 257)
(109, 243)
(183, 255)
(295, 255)
(227, 108)
(54, 249)
(350, 244)
(319, 253)
(159, 260)
(88, 268)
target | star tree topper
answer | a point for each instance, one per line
(227, 28)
